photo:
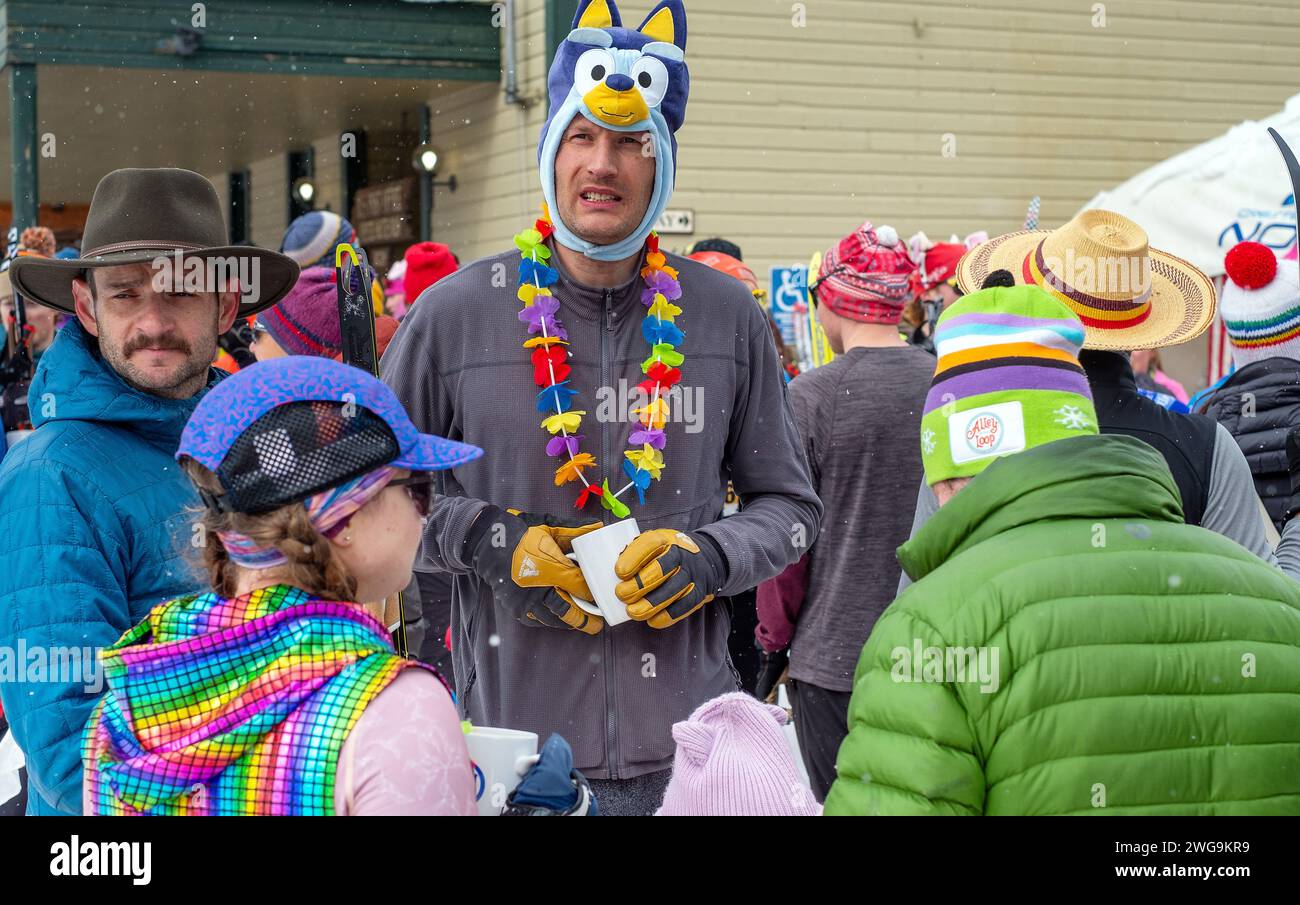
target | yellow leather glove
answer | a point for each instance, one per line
(523, 559)
(667, 575)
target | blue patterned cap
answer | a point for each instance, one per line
(286, 428)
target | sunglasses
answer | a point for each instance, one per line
(818, 284)
(419, 487)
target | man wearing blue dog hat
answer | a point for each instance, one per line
(601, 373)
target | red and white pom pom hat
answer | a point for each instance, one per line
(1261, 303)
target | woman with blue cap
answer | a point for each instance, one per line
(277, 692)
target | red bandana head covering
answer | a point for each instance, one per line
(867, 276)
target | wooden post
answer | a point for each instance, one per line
(23, 139)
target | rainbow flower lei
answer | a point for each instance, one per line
(645, 460)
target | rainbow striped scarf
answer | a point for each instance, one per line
(234, 706)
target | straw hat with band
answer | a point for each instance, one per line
(1128, 295)
(137, 215)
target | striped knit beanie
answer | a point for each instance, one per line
(1260, 304)
(867, 276)
(306, 321)
(1007, 379)
(311, 239)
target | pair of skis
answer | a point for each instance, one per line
(812, 348)
(357, 327)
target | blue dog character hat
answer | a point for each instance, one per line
(625, 81)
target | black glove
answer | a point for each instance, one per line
(552, 788)
(524, 561)
(770, 668)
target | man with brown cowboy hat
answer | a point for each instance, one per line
(94, 525)
(1130, 296)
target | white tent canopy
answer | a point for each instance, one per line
(1230, 189)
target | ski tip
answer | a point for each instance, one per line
(340, 250)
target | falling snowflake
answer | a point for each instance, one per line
(1073, 418)
(927, 441)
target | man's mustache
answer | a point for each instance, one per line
(166, 341)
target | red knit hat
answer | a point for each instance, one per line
(426, 264)
(867, 276)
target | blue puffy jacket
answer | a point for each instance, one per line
(93, 530)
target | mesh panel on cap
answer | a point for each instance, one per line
(302, 448)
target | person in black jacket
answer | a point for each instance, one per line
(1259, 403)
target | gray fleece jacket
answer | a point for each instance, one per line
(459, 366)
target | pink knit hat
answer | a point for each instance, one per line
(733, 761)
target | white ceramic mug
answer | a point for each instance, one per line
(500, 758)
(596, 553)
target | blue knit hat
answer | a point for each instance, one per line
(625, 81)
(311, 239)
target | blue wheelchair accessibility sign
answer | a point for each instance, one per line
(789, 288)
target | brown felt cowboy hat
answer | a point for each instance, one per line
(1128, 295)
(139, 215)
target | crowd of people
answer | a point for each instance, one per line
(998, 560)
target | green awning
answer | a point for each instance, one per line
(361, 38)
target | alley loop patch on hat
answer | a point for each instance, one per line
(623, 80)
(994, 430)
(1100, 265)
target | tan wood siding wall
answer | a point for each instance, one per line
(795, 134)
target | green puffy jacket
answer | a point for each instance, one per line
(1132, 664)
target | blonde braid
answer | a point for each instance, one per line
(311, 558)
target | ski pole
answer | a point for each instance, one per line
(357, 327)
